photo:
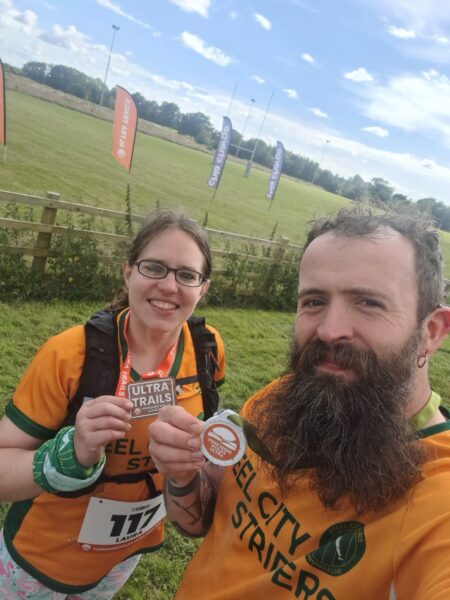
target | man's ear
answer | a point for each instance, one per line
(437, 327)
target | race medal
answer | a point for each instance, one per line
(223, 442)
(150, 395)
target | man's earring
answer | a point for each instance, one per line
(422, 360)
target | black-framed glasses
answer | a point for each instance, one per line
(156, 270)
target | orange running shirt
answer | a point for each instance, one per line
(263, 546)
(41, 534)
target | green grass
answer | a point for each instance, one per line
(256, 349)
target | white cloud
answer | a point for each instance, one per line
(233, 14)
(418, 15)
(401, 33)
(263, 21)
(441, 39)
(415, 103)
(116, 8)
(308, 58)
(69, 38)
(378, 131)
(25, 21)
(290, 93)
(428, 163)
(405, 171)
(319, 113)
(192, 41)
(199, 6)
(258, 79)
(359, 75)
(27, 18)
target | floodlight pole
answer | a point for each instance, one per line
(115, 30)
(320, 160)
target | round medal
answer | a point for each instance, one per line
(223, 442)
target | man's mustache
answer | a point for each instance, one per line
(345, 355)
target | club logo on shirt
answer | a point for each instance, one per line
(341, 547)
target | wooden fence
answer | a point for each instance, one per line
(224, 244)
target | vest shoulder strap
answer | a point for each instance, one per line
(101, 367)
(101, 372)
(206, 356)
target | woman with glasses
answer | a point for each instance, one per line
(86, 498)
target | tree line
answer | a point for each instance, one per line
(377, 192)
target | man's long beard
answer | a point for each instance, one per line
(350, 438)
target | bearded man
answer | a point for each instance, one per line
(351, 500)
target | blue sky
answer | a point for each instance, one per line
(370, 76)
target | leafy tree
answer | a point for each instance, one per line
(356, 189)
(292, 164)
(401, 202)
(236, 141)
(169, 115)
(12, 69)
(198, 126)
(328, 181)
(38, 71)
(307, 168)
(381, 191)
(263, 154)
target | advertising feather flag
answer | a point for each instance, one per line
(221, 153)
(276, 172)
(2, 105)
(124, 129)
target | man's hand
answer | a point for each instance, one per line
(175, 444)
(99, 422)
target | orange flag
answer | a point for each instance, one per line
(125, 125)
(2, 106)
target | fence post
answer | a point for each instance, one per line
(278, 255)
(43, 240)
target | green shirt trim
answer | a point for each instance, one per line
(434, 429)
(26, 424)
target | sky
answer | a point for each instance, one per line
(361, 86)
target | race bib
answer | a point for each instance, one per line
(110, 524)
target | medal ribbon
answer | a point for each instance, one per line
(419, 420)
(253, 440)
(162, 370)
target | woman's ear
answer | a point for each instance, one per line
(127, 268)
(205, 287)
(437, 327)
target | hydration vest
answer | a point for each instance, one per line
(101, 372)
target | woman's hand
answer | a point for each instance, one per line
(175, 444)
(99, 422)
